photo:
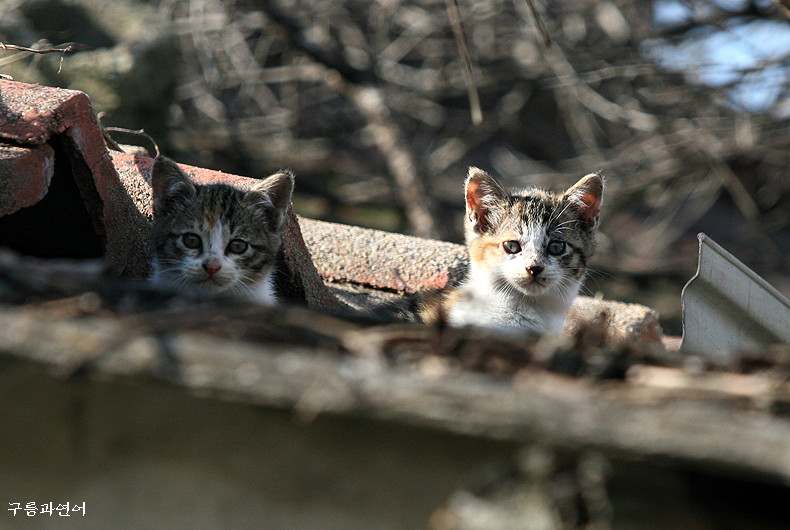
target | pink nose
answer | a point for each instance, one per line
(534, 270)
(212, 268)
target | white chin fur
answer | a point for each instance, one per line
(531, 288)
(540, 309)
(262, 292)
(212, 285)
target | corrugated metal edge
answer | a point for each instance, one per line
(727, 307)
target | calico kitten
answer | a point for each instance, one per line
(528, 254)
(216, 238)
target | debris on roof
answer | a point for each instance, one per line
(583, 390)
(608, 384)
(115, 190)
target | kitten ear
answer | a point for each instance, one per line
(168, 180)
(585, 198)
(484, 196)
(277, 190)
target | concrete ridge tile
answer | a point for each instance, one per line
(409, 264)
(301, 280)
(382, 260)
(314, 251)
(33, 115)
(25, 174)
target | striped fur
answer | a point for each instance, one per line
(216, 238)
(551, 237)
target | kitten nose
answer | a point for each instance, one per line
(534, 270)
(212, 268)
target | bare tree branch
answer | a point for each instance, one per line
(411, 189)
(60, 48)
(545, 37)
(371, 104)
(63, 49)
(454, 14)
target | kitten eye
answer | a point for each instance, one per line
(191, 240)
(555, 247)
(237, 246)
(511, 247)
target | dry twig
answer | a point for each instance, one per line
(63, 49)
(545, 37)
(454, 14)
(136, 132)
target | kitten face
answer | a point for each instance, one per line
(217, 238)
(532, 242)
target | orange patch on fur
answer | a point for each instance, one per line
(487, 250)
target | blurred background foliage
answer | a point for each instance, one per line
(683, 104)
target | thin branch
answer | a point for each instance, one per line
(595, 102)
(411, 189)
(454, 14)
(63, 49)
(137, 132)
(545, 38)
(295, 34)
(369, 101)
(60, 48)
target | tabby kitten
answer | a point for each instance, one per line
(528, 254)
(216, 238)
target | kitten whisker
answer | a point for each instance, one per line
(498, 292)
(559, 214)
(200, 226)
(564, 224)
(599, 272)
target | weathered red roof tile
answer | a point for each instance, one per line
(302, 280)
(395, 262)
(380, 259)
(25, 173)
(31, 115)
(620, 322)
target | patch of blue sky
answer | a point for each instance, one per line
(734, 6)
(736, 55)
(674, 13)
(671, 13)
(725, 56)
(737, 6)
(760, 90)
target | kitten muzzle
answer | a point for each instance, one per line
(535, 270)
(212, 278)
(211, 268)
(212, 283)
(531, 284)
